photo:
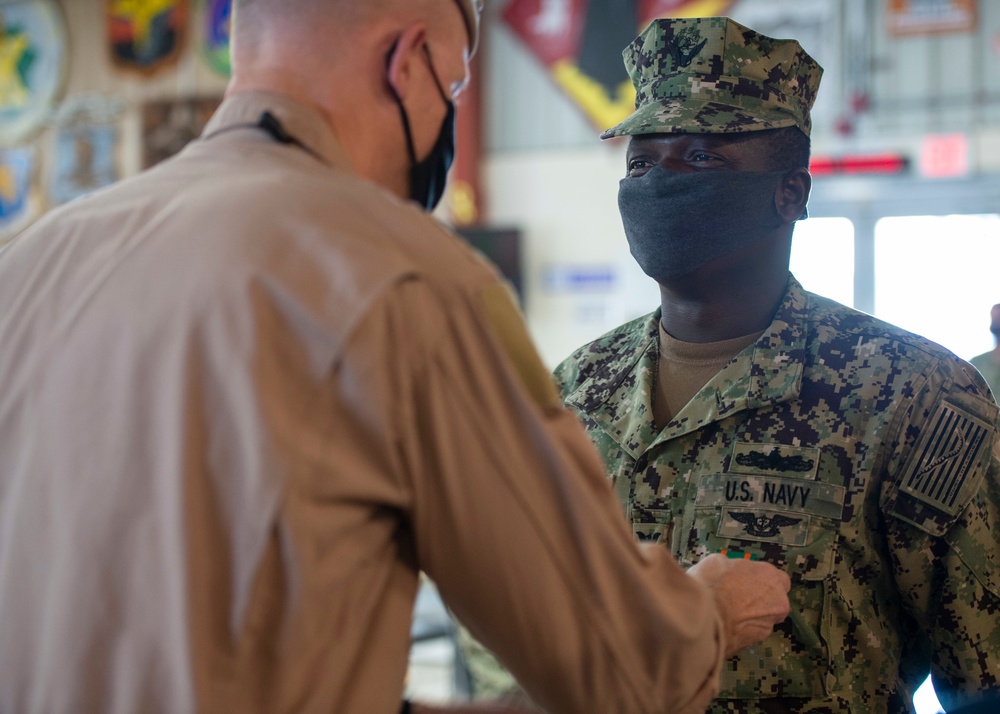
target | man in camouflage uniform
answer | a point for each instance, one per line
(988, 363)
(857, 456)
(751, 417)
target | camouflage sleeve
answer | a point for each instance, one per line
(567, 375)
(488, 679)
(941, 500)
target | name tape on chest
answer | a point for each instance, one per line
(773, 493)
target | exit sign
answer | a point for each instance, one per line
(944, 156)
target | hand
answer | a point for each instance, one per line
(752, 597)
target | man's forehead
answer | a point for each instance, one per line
(687, 139)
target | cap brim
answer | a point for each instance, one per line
(692, 116)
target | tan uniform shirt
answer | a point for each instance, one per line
(244, 398)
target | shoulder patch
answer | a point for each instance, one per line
(508, 327)
(946, 468)
(943, 468)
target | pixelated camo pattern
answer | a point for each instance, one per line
(713, 75)
(858, 457)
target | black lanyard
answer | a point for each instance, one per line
(271, 124)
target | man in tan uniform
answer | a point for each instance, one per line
(246, 396)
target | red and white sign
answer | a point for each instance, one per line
(555, 32)
(944, 155)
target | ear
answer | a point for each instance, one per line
(406, 50)
(792, 195)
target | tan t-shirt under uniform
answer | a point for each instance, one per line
(683, 368)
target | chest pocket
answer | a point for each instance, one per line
(775, 504)
(653, 524)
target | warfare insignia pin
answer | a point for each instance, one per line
(686, 46)
(774, 461)
(779, 459)
(762, 526)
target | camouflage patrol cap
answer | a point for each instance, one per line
(470, 11)
(712, 75)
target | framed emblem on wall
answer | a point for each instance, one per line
(146, 35)
(18, 202)
(32, 65)
(579, 42)
(86, 141)
(168, 126)
(216, 18)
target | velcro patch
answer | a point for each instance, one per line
(777, 459)
(766, 526)
(773, 493)
(945, 459)
(508, 327)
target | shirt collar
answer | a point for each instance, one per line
(303, 122)
(767, 372)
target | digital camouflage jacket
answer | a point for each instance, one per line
(858, 457)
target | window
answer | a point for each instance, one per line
(823, 257)
(938, 276)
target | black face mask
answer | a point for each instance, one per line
(428, 177)
(676, 222)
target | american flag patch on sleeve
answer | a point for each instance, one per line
(946, 458)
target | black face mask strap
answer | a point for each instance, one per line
(399, 101)
(428, 175)
(402, 110)
(437, 81)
